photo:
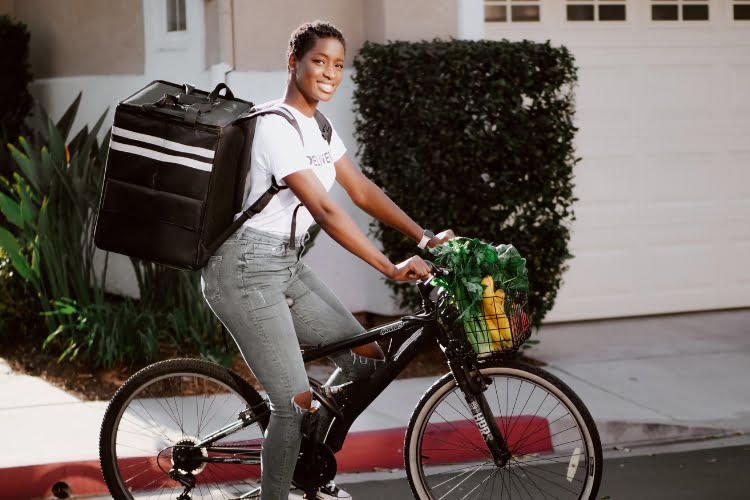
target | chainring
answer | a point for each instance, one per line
(308, 475)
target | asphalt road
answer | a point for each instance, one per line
(713, 473)
(706, 470)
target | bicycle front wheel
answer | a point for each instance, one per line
(156, 418)
(553, 441)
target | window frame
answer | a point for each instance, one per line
(596, 21)
(165, 40)
(680, 21)
(177, 4)
(509, 4)
(734, 20)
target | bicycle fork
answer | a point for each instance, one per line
(473, 388)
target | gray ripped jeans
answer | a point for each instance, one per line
(273, 304)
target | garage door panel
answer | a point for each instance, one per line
(678, 91)
(611, 92)
(739, 91)
(595, 237)
(676, 234)
(663, 217)
(680, 266)
(736, 262)
(678, 176)
(605, 180)
(603, 271)
(736, 181)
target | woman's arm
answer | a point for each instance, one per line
(370, 198)
(340, 226)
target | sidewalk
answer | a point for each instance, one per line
(645, 380)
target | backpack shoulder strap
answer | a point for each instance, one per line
(324, 125)
(265, 109)
(272, 108)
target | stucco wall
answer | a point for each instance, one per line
(7, 8)
(417, 20)
(260, 44)
(83, 37)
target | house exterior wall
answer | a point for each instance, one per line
(8, 8)
(261, 45)
(418, 20)
(663, 113)
(82, 37)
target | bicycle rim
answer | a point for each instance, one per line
(552, 439)
(178, 409)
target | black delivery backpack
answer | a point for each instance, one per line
(175, 174)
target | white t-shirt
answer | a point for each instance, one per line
(278, 151)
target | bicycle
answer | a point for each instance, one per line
(490, 428)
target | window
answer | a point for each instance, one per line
(679, 10)
(176, 15)
(513, 11)
(741, 10)
(596, 10)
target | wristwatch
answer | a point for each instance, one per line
(427, 235)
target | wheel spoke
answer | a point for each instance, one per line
(536, 417)
(176, 402)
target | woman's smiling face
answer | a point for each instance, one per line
(318, 73)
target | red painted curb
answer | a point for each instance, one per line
(362, 451)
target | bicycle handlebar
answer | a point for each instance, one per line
(426, 287)
(437, 271)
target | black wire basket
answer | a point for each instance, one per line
(498, 325)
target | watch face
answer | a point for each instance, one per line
(428, 233)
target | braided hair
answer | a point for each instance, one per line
(304, 37)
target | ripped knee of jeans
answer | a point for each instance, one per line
(302, 402)
(369, 351)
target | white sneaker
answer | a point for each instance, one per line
(330, 490)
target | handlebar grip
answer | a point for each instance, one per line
(436, 270)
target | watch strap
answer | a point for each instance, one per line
(427, 235)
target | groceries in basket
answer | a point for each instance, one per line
(488, 285)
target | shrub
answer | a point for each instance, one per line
(19, 309)
(477, 137)
(15, 99)
(49, 210)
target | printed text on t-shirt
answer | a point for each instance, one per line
(321, 159)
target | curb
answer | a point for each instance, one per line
(618, 433)
(362, 452)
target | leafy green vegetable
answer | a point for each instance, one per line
(470, 260)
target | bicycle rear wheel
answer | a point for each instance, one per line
(156, 417)
(555, 447)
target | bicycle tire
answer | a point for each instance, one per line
(171, 402)
(445, 456)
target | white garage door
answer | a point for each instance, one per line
(663, 108)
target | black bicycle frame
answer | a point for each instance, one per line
(408, 336)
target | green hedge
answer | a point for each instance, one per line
(15, 76)
(476, 136)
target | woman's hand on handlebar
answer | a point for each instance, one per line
(441, 238)
(410, 269)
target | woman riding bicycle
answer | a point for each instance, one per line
(267, 298)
